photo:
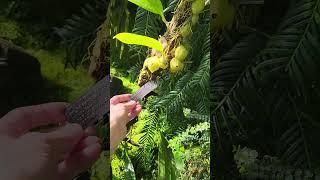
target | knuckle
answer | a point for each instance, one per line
(76, 128)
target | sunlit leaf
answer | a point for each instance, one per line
(154, 6)
(130, 38)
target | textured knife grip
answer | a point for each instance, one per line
(90, 107)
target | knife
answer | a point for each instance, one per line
(139, 95)
(95, 103)
(92, 106)
(144, 90)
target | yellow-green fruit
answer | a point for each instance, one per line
(186, 30)
(195, 19)
(176, 65)
(154, 64)
(198, 6)
(224, 12)
(181, 53)
(146, 62)
(164, 62)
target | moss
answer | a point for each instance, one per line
(130, 86)
(62, 84)
(8, 29)
(117, 165)
(101, 168)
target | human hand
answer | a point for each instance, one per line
(57, 155)
(122, 110)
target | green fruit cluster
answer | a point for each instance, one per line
(180, 53)
(155, 63)
(197, 7)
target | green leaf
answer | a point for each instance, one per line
(128, 167)
(154, 6)
(166, 167)
(130, 38)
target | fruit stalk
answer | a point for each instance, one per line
(174, 42)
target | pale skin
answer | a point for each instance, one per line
(60, 154)
(122, 110)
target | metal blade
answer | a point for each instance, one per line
(144, 90)
(90, 107)
(140, 94)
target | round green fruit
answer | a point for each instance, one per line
(186, 30)
(181, 53)
(198, 6)
(176, 65)
(146, 62)
(154, 64)
(194, 19)
(164, 62)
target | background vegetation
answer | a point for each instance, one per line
(170, 139)
(265, 89)
(66, 37)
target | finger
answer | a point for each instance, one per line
(129, 105)
(79, 161)
(120, 98)
(90, 131)
(135, 112)
(22, 120)
(86, 142)
(64, 139)
(138, 107)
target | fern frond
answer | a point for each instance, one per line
(185, 88)
(294, 49)
(195, 80)
(79, 31)
(171, 6)
(147, 24)
(145, 157)
(262, 170)
(293, 147)
(150, 129)
(198, 116)
(232, 64)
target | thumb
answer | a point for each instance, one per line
(63, 140)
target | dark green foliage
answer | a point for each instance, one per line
(174, 94)
(163, 115)
(192, 151)
(265, 89)
(147, 24)
(79, 31)
(121, 20)
(166, 166)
